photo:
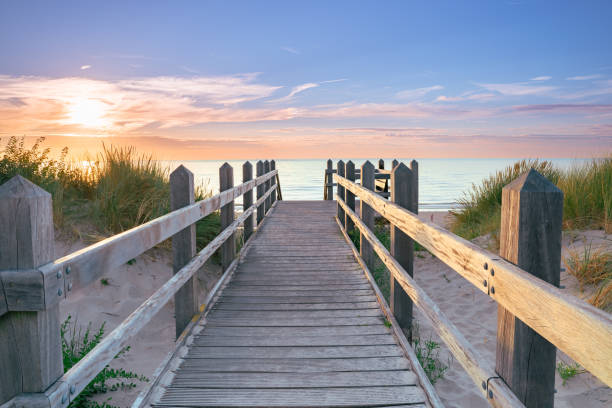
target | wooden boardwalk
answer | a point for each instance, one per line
(297, 325)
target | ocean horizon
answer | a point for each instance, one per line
(442, 182)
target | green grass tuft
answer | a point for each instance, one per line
(567, 371)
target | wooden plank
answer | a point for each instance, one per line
(532, 217)
(299, 287)
(302, 397)
(30, 348)
(319, 352)
(245, 314)
(293, 299)
(307, 332)
(223, 305)
(540, 305)
(183, 248)
(294, 365)
(469, 358)
(296, 322)
(403, 182)
(231, 291)
(294, 380)
(367, 213)
(290, 341)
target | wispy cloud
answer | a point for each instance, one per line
(303, 87)
(584, 77)
(419, 92)
(84, 67)
(466, 96)
(518, 88)
(290, 50)
(541, 78)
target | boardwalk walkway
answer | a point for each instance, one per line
(298, 325)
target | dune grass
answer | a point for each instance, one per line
(116, 191)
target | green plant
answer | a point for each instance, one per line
(567, 371)
(75, 346)
(387, 323)
(590, 266)
(428, 354)
(104, 281)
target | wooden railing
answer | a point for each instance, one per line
(381, 177)
(534, 316)
(32, 284)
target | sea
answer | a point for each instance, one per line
(442, 182)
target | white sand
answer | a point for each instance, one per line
(474, 313)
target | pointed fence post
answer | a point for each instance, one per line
(273, 182)
(226, 182)
(183, 248)
(349, 171)
(394, 163)
(340, 170)
(381, 164)
(367, 214)
(30, 347)
(402, 246)
(247, 199)
(530, 237)
(260, 192)
(267, 186)
(329, 181)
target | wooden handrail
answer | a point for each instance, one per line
(580, 330)
(84, 266)
(469, 358)
(77, 378)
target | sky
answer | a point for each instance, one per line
(308, 79)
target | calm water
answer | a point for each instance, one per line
(441, 181)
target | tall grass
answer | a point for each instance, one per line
(587, 190)
(116, 191)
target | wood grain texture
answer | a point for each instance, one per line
(328, 188)
(183, 248)
(261, 209)
(349, 197)
(273, 182)
(532, 216)
(226, 182)
(340, 171)
(540, 305)
(367, 213)
(402, 246)
(268, 203)
(247, 200)
(30, 350)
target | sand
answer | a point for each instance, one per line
(474, 313)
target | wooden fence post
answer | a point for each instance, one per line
(30, 347)
(367, 214)
(226, 182)
(267, 186)
(402, 246)
(349, 197)
(394, 163)
(530, 237)
(329, 181)
(381, 164)
(247, 199)
(260, 192)
(183, 248)
(341, 192)
(273, 182)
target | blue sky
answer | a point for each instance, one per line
(434, 79)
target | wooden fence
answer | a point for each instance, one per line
(32, 284)
(534, 316)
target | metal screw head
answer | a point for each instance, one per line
(490, 394)
(484, 282)
(492, 272)
(484, 385)
(72, 389)
(493, 289)
(70, 286)
(68, 270)
(60, 292)
(59, 275)
(486, 266)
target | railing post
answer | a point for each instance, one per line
(273, 182)
(30, 347)
(183, 248)
(530, 237)
(329, 181)
(402, 247)
(267, 186)
(367, 214)
(260, 192)
(381, 164)
(247, 199)
(394, 163)
(340, 170)
(349, 171)
(226, 182)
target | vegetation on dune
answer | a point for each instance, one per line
(118, 190)
(592, 266)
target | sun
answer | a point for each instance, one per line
(88, 112)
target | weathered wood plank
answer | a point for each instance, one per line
(290, 341)
(368, 351)
(367, 213)
(295, 331)
(296, 322)
(293, 299)
(222, 305)
(247, 200)
(226, 182)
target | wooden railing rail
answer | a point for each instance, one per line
(575, 327)
(381, 176)
(38, 289)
